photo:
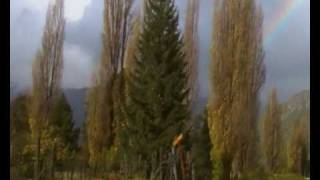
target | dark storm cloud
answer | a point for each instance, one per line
(25, 28)
(87, 31)
(86, 34)
(81, 46)
(287, 55)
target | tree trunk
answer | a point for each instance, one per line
(110, 99)
(175, 173)
(183, 164)
(226, 169)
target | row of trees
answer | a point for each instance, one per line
(279, 158)
(237, 73)
(139, 112)
(275, 159)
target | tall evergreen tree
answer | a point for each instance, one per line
(63, 134)
(157, 106)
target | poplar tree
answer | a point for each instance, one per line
(297, 148)
(105, 97)
(131, 52)
(272, 133)
(191, 48)
(236, 76)
(133, 42)
(46, 74)
(157, 101)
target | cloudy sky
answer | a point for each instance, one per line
(287, 50)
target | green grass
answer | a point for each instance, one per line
(286, 177)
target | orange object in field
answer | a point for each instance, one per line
(177, 140)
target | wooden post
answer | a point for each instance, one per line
(175, 173)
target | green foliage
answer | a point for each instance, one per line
(61, 128)
(19, 114)
(216, 167)
(20, 161)
(83, 153)
(19, 127)
(156, 107)
(201, 150)
(61, 124)
(59, 137)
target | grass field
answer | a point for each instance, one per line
(288, 177)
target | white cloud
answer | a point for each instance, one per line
(74, 9)
(36, 5)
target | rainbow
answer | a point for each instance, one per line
(279, 18)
